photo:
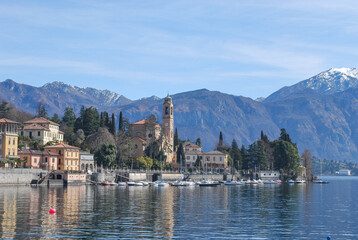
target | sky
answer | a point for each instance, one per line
(140, 48)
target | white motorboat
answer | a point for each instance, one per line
(300, 181)
(290, 181)
(122, 184)
(234, 183)
(270, 182)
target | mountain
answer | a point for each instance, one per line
(319, 113)
(328, 82)
(57, 96)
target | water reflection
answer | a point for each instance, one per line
(232, 212)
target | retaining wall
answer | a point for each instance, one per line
(19, 176)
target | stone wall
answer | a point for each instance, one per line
(19, 176)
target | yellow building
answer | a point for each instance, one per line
(69, 156)
(8, 138)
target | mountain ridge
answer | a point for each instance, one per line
(320, 120)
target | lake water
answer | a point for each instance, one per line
(308, 211)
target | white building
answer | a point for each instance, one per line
(43, 130)
(344, 172)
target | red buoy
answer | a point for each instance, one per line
(52, 211)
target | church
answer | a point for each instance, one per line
(145, 132)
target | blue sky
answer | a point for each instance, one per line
(144, 48)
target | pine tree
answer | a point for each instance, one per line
(91, 121)
(55, 118)
(4, 109)
(284, 136)
(69, 117)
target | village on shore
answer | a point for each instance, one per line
(82, 150)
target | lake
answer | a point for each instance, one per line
(307, 211)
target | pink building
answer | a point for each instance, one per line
(39, 159)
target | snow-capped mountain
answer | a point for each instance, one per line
(331, 81)
(107, 98)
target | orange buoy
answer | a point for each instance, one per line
(52, 211)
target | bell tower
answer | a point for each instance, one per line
(168, 127)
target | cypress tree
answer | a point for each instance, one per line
(245, 158)
(221, 142)
(113, 125)
(198, 142)
(120, 124)
(101, 124)
(236, 155)
(176, 138)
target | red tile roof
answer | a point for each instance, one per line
(35, 127)
(40, 120)
(5, 120)
(62, 145)
(145, 121)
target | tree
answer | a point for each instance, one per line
(221, 142)
(106, 155)
(284, 136)
(235, 154)
(198, 163)
(245, 158)
(41, 110)
(125, 148)
(95, 140)
(91, 121)
(176, 138)
(286, 157)
(307, 163)
(198, 142)
(120, 124)
(112, 129)
(152, 118)
(55, 118)
(145, 162)
(4, 109)
(78, 138)
(180, 154)
(69, 117)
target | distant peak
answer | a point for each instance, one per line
(351, 72)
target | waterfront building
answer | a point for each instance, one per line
(190, 146)
(43, 130)
(8, 139)
(87, 161)
(215, 159)
(191, 156)
(39, 159)
(268, 175)
(69, 156)
(145, 132)
(344, 172)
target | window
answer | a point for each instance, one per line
(35, 160)
(193, 157)
(221, 159)
(53, 160)
(46, 159)
(59, 161)
(38, 133)
(59, 152)
(13, 141)
(214, 159)
(9, 141)
(30, 134)
(188, 157)
(13, 151)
